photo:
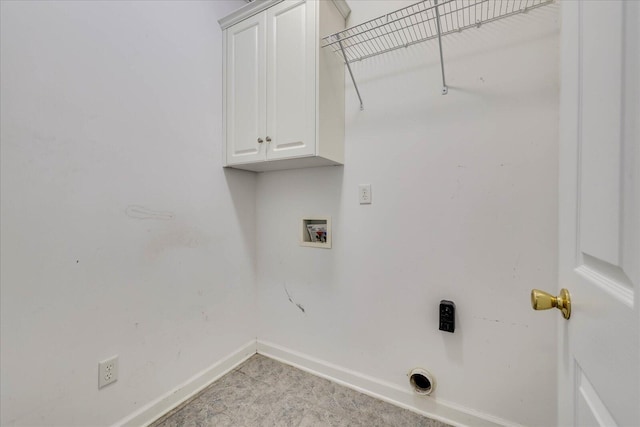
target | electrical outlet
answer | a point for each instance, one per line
(364, 194)
(107, 371)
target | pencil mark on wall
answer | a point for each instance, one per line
(141, 212)
(489, 320)
(515, 267)
(300, 306)
(458, 187)
(501, 321)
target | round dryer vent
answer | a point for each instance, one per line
(422, 381)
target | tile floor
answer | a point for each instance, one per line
(264, 392)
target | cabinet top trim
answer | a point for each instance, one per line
(257, 6)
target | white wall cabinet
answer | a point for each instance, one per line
(283, 95)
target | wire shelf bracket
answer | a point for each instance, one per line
(351, 74)
(445, 89)
(422, 21)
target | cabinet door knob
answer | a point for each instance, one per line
(260, 141)
(268, 139)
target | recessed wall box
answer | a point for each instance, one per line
(315, 232)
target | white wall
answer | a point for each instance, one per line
(121, 233)
(108, 107)
(464, 208)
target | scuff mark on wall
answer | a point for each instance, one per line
(458, 187)
(287, 292)
(300, 306)
(178, 237)
(141, 212)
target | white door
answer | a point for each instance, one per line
(291, 51)
(599, 359)
(245, 81)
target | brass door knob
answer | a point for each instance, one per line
(541, 300)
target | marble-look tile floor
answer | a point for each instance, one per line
(265, 392)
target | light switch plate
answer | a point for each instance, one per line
(364, 194)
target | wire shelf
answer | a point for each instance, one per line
(420, 22)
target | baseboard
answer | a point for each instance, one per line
(431, 407)
(154, 410)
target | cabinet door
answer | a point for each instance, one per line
(291, 79)
(246, 91)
